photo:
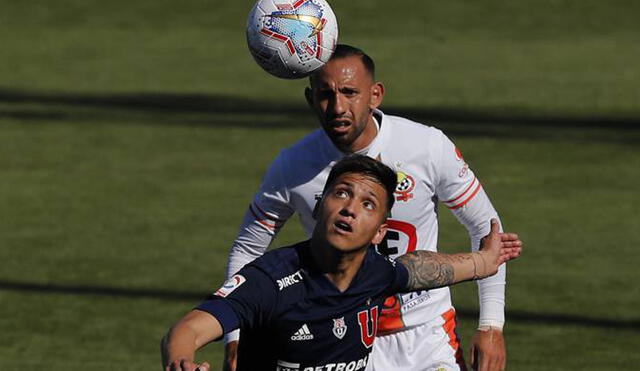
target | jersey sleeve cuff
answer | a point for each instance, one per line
(232, 336)
(223, 312)
(490, 325)
(402, 278)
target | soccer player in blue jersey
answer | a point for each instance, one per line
(314, 306)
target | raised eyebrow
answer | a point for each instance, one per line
(344, 184)
(350, 185)
(374, 196)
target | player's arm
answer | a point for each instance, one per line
(191, 333)
(464, 195)
(240, 302)
(267, 213)
(429, 269)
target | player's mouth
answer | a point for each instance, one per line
(339, 126)
(343, 226)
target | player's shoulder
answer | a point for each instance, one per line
(313, 150)
(310, 147)
(408, 139)
(405, 129)
(280, 262)
(382, 266)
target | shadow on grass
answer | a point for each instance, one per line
(140, 293)
(217, 110)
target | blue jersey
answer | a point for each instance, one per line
(294, 319)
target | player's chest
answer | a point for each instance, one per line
(318, 336)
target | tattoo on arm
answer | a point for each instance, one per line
(428, 270)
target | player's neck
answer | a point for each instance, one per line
(339, 267)
(365, 139)
(346, 270)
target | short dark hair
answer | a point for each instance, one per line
(345, 51)
(376, 170)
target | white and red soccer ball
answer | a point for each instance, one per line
(291, 38)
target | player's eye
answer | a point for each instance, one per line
(349, 92)
(369, 205)
(341, 193)
(325, 93)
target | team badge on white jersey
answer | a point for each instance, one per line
(404, 189)
(303, 333)
(339, 327)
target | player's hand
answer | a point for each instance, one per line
(230, 356)
(488, 352)
(186, 365)
(498, 248)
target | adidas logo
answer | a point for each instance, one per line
(302, 334)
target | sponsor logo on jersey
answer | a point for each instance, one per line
(405, 186)
(412, 299)
(289, 280)
(338, 366)
(231, 284)
(401, 238)
(465, 168)
(287, 366)
(339, 327)
(303, 333)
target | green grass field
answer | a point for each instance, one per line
(134, 133)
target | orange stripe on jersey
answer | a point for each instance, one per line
(266, 215)
(454, 341)
(475, 192)
(390, 319)
(264, 223)
(463, 193)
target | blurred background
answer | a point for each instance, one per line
(133, 135)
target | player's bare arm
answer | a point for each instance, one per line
(191, 333)
(429, 269)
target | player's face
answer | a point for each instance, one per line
(343, 96)
(352, 213)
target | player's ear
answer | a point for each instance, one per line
(377, 94)
(308, 94)
(380, 233)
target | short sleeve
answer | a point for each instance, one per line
(246, 300)
(401, 278)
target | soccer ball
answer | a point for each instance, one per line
(291, 38)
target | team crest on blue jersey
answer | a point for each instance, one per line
(339, 327)
(405, 186)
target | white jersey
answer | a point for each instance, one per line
(429, 168)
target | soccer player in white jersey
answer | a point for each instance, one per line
(416, 330)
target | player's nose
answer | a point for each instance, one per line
(348, 209)
(337, 105)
